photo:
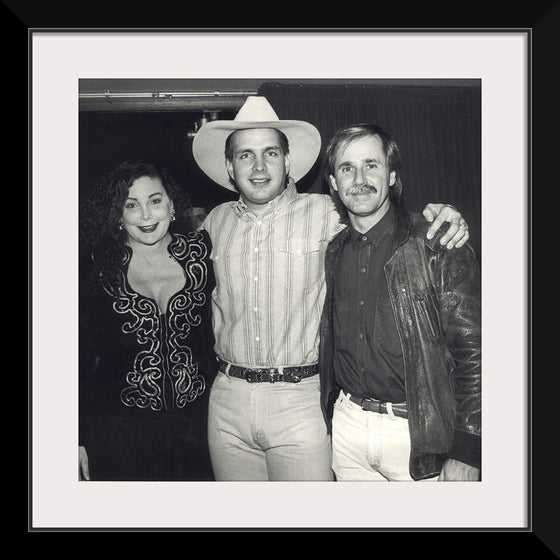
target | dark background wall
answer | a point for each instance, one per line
(106, 139)
(437, 125)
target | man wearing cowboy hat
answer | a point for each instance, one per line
(265, 418)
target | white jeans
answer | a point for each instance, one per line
(268, 431)
(368, 446)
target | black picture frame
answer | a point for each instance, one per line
(540, 31)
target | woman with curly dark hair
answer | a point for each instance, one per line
(146, 342)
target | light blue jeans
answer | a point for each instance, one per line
(368, 446)
(268, 431)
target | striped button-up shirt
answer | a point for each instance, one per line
(270, 286)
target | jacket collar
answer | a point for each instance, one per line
(403, 227)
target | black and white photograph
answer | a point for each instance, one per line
(226, 317)
(283, 282)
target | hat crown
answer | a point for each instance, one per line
(208, 144)
(256, 109)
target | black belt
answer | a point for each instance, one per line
(259, 375)
(373, 405)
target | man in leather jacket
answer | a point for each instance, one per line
(400, 356)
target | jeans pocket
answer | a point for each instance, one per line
(338, 403)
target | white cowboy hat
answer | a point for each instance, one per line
(209, 143)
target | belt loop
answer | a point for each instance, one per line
(228, 366)
(390, 410)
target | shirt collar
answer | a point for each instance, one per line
(284, 198)
(374, 235)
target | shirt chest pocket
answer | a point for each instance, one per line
(301, 247)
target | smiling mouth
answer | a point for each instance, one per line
(259, 182)
(148, 229)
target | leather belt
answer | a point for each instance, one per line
(373, 405)
(292, 374)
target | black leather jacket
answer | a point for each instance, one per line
(435, 295)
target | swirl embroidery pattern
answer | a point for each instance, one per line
(184, 314)
(164, 338)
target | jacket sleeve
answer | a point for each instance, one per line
(460, 312)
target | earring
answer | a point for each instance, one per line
(172, 216)
(121, 225)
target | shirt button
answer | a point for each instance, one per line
(257, 338)
(362, 269)
(256, 249)
(362, 302)
(361, 335)
(255, 309)
(364, 238)
(256, 278)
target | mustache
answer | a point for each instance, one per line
(362, 189)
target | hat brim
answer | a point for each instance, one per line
(209, 144)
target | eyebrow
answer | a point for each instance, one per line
(149, 196)
(368, 160)
(266, 149)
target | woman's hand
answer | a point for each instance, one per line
(83, 463)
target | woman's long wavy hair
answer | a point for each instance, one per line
(102, 208)
(346, 135)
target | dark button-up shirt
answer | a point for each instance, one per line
(368, 358)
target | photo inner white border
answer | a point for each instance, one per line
(59, 60)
